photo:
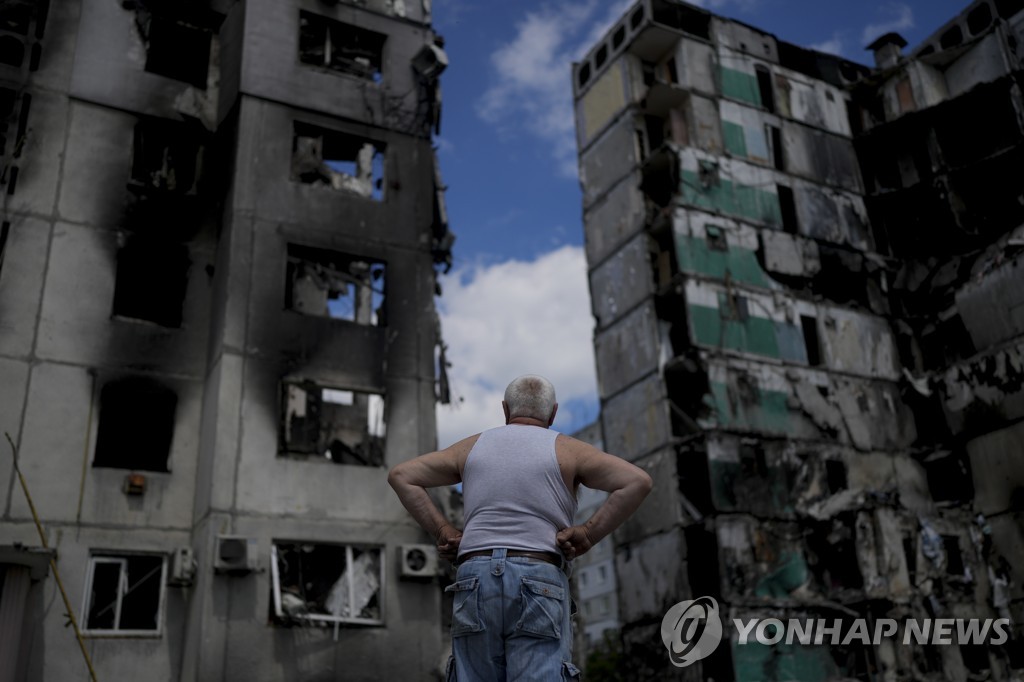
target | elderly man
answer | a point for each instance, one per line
(511, 595)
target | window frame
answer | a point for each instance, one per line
(121, 558)
(275, 585)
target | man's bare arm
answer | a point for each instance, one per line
(627, 485)
(411, 479)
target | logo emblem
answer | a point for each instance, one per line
(691, 630)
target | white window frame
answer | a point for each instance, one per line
(121, 559)
(323, 618)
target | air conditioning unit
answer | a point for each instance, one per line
(235, 554)
(183, 566)
(417, 561)
(430, 61)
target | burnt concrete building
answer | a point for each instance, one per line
(805, 275)
(221, 225)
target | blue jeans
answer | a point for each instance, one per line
(510, 621)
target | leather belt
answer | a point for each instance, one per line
(549, 557)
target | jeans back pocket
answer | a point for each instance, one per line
(466, 606)
(543, 608)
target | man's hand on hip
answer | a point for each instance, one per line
(448, 539)
(573, 541)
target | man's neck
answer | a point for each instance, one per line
(528, 421)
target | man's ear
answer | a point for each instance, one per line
(504, 408)
(553, 411)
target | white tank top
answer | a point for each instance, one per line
(513, 492)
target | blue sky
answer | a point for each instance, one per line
(516, 301)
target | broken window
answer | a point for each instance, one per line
(584, 74)
(978, 19)
(166, 156)
(835, 475)
(336, 285)
(732, 306)
(341, 47)
(343, 426)
(764, 86)
(809, 325)
(716, 238)
(753, 461)
(124, 593)
(152, 276)
(136, 425)
(177, 39)
(787, 206)
(774, 134)
(318, 584)
(345, 162)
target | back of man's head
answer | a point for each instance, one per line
(530, 396)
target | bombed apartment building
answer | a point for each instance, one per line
(222, 221)
(807, 286)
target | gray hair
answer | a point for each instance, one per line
(530, 396)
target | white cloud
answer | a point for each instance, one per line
(532, 88)
(902, 19)
(513, 318)
(834, 45)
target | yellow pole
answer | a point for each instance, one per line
(53, 562)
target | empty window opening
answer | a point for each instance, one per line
(177, 46)
(764, 86)
(707, 172)
(12, 51)
(341, 47)
(16, 17)
(951, 38)
(732, 306)
(618, 37)
(954, 559)
(601, 57)
(1008, 8)
(22, 135)
(152, 277)
(905, 95)
(809, 325)
(636, 18)
(166, 157)
(136, 425)
(787, 204)
(753, 461)
(775, 139)
(648, 70)
(832, 555)
(979, 19)
(602, 574)
(336, 285)
(716, 238)
(124, 593)
(341, 161)
(681, 17)
(323, 584)
(671, 71)
(584, 74)
(341, 425)
(835, 475)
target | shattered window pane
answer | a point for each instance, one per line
(318, 584)
(125, 593)
(337, 160)
(343, 426)
(341, 47)
(336, 285)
